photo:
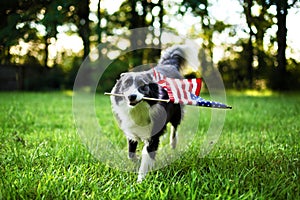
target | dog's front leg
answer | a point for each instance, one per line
(132, 144)
(148, 158)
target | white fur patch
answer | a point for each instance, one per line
(139, 96)
(173, 137)
(147, 164)
(135, 120)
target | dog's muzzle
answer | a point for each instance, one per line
(135, 96)
(133, 99)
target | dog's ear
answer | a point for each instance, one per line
(122, 74)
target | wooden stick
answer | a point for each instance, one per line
(145, 98)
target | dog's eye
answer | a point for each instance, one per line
(144, 89)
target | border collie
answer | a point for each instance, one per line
(144, 120)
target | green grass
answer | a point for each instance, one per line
(42, 156)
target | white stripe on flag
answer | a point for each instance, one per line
(187, 87)
(173, 88)
(182, 93)
(194, 86)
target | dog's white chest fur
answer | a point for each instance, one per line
(135, 121)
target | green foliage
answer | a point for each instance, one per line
(38, 23)
(125, 63)
(198, 7)
(42, 157)
(235, 75)
(112, 73)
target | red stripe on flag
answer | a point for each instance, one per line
(199, 83)
(155, 75)
(190, 85)
(183, 87)
(170, 94)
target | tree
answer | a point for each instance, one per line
(259, 62)
(257, 25)
(99, 22)
(53, 17)
(82, 22)
(16, 17)
(209, 26)
(134, 14)
(247, 5)
(281, 13)
(281, 75)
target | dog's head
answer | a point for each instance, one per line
(135, 86)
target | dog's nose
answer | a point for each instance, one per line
(132, 97)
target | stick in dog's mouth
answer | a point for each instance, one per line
(145, 98)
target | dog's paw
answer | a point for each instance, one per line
(133, 157)
(141, 177)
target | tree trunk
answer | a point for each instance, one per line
(281, 7)
(46, 51)
(250, 60)
(247, 10)
(161, 15)
(99, 22)
(138, 36)
(84, 28)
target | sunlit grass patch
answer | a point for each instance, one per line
(254, 93)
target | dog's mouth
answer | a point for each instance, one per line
(133, 103)
(133, 99)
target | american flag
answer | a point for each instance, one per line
(185, 91)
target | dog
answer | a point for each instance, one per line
(146, 120)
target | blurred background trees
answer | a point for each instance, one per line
(43, 42)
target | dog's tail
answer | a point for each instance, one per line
(180, 56)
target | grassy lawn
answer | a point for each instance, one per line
(43, 157)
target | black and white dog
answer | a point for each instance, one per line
(144, 120)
